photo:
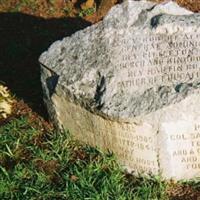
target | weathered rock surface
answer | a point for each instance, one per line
(131, 84)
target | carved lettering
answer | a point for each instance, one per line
(158, 59)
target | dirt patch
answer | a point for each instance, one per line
(23, 154)
(57, 8)
(182, 192)
(49, 167)
(22, 109)
(103, 7)
(73, 8)
(193, 5)
(7, 162)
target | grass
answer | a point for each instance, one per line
(38, 164)
(87, 12)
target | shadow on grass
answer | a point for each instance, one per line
(22, 39)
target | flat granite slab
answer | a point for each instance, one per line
(131, 84)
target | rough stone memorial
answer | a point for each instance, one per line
(131, 84)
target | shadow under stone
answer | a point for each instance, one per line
(22, 40)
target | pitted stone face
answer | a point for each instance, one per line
(131, 84)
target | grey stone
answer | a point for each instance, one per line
(131, 83)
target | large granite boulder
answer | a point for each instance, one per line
(131, 84)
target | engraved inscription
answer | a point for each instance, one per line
(135, 145)
(188, 157)
(158, 60)
(183, 146)
(131, 144)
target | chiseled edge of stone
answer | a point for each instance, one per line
(87, 106)
(47, 97)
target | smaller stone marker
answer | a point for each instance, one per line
(131, 84)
